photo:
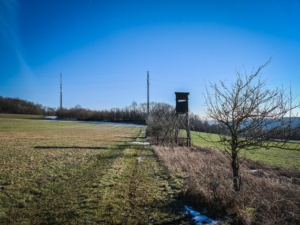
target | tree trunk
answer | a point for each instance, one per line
(235, 171)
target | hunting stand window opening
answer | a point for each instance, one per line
(182, 102)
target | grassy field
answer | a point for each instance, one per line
(21, 116)
(78, 173)
(273, 156)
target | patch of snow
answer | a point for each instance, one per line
(103, 123)
(51, 117)
(139, 159)
(198, 218)
(114, 123)
(139, 143)
(253, 171)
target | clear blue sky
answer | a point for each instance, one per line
(105, 48)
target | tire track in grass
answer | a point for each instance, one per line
(97, 195)
(77, 200)
(152, 193)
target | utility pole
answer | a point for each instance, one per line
(147, 93)
(291, 99)
(291, 102)
(60, 91)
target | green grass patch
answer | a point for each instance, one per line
(272, 156)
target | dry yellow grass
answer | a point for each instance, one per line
(269, 196)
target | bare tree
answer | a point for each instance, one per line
(250, 117)
(160, 120)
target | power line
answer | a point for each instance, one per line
(111, 75)
(70, 84)
(177, 83)
(177, 75)
(82, 90)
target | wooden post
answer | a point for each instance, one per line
(188, 130)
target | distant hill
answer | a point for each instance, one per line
(295, 121)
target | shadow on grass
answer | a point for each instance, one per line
(125, 137)
(118, 147)
(69, 147)
(127, 146)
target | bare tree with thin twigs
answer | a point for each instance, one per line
(159, 120)
(250, 117)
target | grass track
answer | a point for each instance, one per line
(77, 173)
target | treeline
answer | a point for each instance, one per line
(19, 106)
(134, 113)
(161, 113)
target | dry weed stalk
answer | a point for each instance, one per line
(268, 196)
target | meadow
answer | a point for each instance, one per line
(56, 172)
(63, 172)
(272, 156)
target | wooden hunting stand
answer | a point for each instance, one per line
(180, 121)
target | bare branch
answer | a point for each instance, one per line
(250, 116)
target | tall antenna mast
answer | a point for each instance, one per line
(60, 91)
(291, 101)
(147, 93)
